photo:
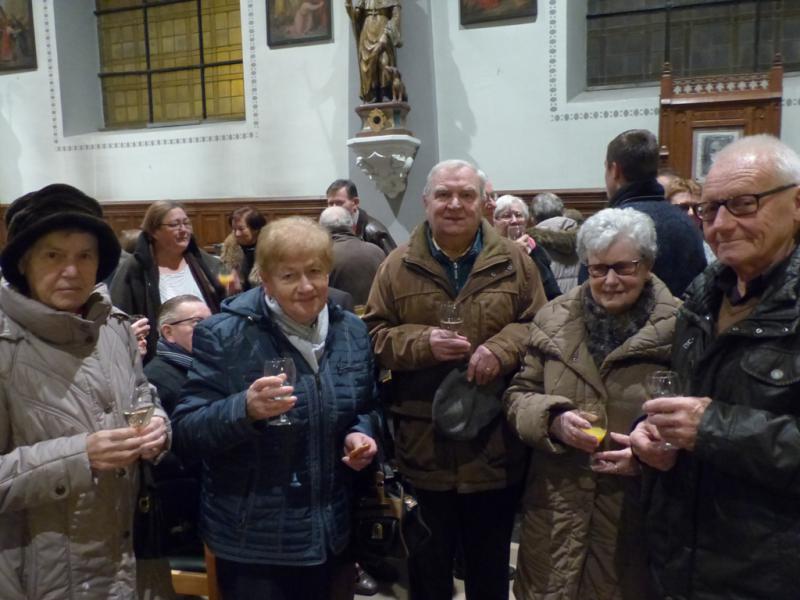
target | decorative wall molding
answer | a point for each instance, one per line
(235, 130)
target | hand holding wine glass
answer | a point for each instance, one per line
(282, 367)
(583, 429)
(663, 384)
(450, 317)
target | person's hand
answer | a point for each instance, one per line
(110, 449)
(568, 426)
(141, 329)
(154, 437)
(648, 447)
(359, 450)
(677, 418)
(616, 462)
(447, 346)
(483, 366)
(523, 241)
(267, 397)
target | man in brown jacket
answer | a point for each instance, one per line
(467, 488)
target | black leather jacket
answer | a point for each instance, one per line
(373, 231)
(724, 523)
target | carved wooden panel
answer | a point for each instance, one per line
(742, 104)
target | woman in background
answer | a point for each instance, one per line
(167, 262)
(239, 248)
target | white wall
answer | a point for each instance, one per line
(481, 93)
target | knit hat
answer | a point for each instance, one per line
(55, 207)
(461, 409)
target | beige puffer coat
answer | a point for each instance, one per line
(581, 532)
(65, 532)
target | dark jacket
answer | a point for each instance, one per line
(724, 523)
(134, 288)
(355, 263)
(249, 511)
(542, 261)
(499, 299)
(680, 255)
(373, 231)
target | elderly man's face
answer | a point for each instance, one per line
(750, 244)
(489, 202)
(453, 208)
(181, 329)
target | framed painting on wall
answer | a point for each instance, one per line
(481, 11)
(298, 21)
(17, 40)
(706, 144)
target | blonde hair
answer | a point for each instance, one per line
(291, 238)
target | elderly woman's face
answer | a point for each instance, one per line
(617, 292)
(174, 233)
(300, 286)
(512, 215)
(61, 269)
(242, 232)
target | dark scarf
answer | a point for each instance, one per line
(607, 332)
(646, 189)
(173, 354)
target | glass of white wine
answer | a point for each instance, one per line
(663, 384)
(451, 317)
(141, 408)
(281, 366)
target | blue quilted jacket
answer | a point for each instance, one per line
(252, 508)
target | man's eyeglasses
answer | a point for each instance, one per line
(623, 267)
(186, 224)
(746, 204)
(193, 321)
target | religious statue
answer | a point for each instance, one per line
(376, 25)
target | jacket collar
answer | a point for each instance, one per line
(637, 191)
(777, 313)
(72, 332)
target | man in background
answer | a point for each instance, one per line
(344, 193)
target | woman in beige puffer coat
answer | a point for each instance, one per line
(581, 532)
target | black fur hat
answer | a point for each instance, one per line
(57, 206)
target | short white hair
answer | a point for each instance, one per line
(600, 231)
(507, 202)
(336, 218)
(781, 160)
(546, 206)
(454, 163)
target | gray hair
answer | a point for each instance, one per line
(600, 231)
(507, 202)
(546, 206)
(336, 218)
(169, 310)
(454, 163)
(782, 160)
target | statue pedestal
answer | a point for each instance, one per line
(383, 118)
(385, 159)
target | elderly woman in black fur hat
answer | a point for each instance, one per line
(70, 377)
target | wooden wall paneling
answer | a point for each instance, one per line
(749, 101)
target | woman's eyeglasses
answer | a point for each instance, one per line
(623, 267)
(186, 224)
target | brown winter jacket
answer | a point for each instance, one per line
(582, 532)
(65, 531)
(500, 298)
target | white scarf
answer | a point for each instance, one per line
(308, 339)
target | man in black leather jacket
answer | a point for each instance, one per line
(343, 192)
(723, 506)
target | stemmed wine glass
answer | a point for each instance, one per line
(273, 368)
(663, 384)
(141, 409)
(450, 316)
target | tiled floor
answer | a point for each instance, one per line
(399, 590)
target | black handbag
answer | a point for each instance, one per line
(387, 519)
(148, 519)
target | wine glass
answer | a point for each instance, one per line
(598, 421)
(225, 276)
(515, 232)
(450, 316)
(141, 408)
(663, 384)
(273, 368)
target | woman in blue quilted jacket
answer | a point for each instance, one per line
(275, 502)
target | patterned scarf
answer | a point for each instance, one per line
(308, 339)
(173, 354)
